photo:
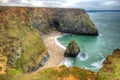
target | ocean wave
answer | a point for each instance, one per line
(98, 64)
(101, 55)
(68, 62)
(58, 43)
(91, 68)
(82, 56)
(100, 34)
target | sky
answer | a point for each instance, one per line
(84, 4)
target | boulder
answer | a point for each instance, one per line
(72, 49)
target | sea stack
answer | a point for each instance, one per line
(72, 49)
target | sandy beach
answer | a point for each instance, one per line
(56, 52)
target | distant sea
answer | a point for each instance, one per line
(96, 48)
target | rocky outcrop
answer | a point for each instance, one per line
(41, 63)
(20, 43)
(111, 67)
(75, 21)
(72, 49)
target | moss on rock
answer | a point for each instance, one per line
(19, 41)
(72, 49)
(111, 67)
(67, 20)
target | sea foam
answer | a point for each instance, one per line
(58, 43)
(68, 62)
(81, 57)
(98, 64)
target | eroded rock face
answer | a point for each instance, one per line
(74, 21)
(72, 49)
(111, 67)
(20, 43)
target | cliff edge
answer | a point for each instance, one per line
(67, 20)
(111, 67)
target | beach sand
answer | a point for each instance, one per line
(56, 52)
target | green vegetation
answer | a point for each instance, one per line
(2, 60)
(13, 71)
(87, 21)
(19, 41)
(0, 68)
(60, 73)
(72, 49)
(111, 67)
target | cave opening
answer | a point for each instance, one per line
(55, 24)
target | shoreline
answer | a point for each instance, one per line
(55, 49)
(58, 43)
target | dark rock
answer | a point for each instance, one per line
(75, 21)
(83, 55)
(41, 64)
(72, 49)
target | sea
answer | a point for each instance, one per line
(95, 49)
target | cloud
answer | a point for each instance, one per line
(15, 1)
(109, 2)
(85, 4)
(99, 4)
(4, 1)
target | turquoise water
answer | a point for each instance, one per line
(98, 47)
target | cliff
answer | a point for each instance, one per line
(111, 67)
(60, 73)
(75, 21)
(109, 71)
(20, 44)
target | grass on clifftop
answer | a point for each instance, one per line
(111, 68)
(60, 73)
(33, 46)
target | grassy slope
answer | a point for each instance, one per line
(60, 73)
(111, 68)
(18, 40)
(87, 21)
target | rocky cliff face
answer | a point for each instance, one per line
(20, 45)
(111, 67)
(74, 21)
